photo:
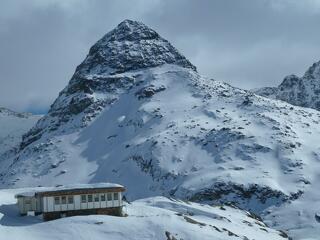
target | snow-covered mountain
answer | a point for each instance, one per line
(12, 126)
(136, 112)
(304, 91)
(155, 218)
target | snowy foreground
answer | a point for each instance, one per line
(151, 218)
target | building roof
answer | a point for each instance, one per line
(73, 189)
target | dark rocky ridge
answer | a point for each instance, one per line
(9, 112)
(300, 91)
(130, 46)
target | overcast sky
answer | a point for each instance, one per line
(248, 43)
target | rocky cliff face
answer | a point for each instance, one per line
(130, 46)
(304, 91)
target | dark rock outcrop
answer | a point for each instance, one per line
(304, 91)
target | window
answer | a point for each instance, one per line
(102, 197)
(70, 199)
(56, 200)
(115, 196)
(83, 198)
(109, 197)
(96, 197)
(27, 201)
(63, 200)
(89, 198)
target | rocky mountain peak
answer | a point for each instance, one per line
(301, 91)
(313, 72)
(99, 80)
(130, 30)
(130, 46)
(289, 81)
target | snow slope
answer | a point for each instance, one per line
(151, 218)
(304, 91)
(136, 112)
(196, 139)
(298, 217)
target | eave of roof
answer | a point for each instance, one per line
(72, 189)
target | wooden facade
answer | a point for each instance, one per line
(73, 200)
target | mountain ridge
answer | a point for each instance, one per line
(130, 46)
(13, 126)
(300, 91)
(165, 130)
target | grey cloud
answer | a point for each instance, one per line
(248, 43)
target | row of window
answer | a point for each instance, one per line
(87, 198)
(63, 200)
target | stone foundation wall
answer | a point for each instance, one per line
(115, 211)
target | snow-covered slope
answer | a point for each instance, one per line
(152, 218)
(161, 128)
(136, 112)
(304, 91)
(300, 218)
(12, 126)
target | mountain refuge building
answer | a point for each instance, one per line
(72, 200)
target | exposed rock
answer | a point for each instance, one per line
(240, 195)
(149, 91)
(317, 217)
(130, 46)
(304, 91)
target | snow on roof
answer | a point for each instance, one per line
(25, 194)
(68, 188)
(90, 186)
